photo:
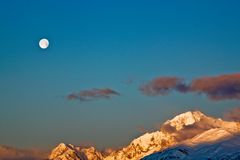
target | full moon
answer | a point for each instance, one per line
(44, 43)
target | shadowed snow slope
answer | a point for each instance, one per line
(228, 149)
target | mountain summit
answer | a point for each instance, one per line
(183, 137)
(185, 119)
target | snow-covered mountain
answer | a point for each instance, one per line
(183, 137)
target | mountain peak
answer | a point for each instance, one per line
(70, 152)
(185, 119)
(65, 152)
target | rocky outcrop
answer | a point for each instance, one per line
(70, 152)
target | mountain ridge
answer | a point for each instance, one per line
(184, 136)
(190, 129)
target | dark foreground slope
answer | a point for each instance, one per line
(228, 149)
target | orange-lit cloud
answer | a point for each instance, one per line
(163, 86)
(233, 115)
(92, 94)
(10, 153)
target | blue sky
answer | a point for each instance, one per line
(103, 44)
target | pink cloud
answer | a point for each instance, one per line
(218, 87)
(233, 115)
(163, 86)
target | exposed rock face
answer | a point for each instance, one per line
(91, 153)
(66, 152)
(69, 152)
(186, 132)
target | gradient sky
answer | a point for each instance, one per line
(104, 44)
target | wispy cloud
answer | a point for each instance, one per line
(233, 114)
(219, 87)
(163, 86)
(93, 94)
(141, 129)
(215, 87)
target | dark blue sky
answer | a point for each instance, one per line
(103, 44)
